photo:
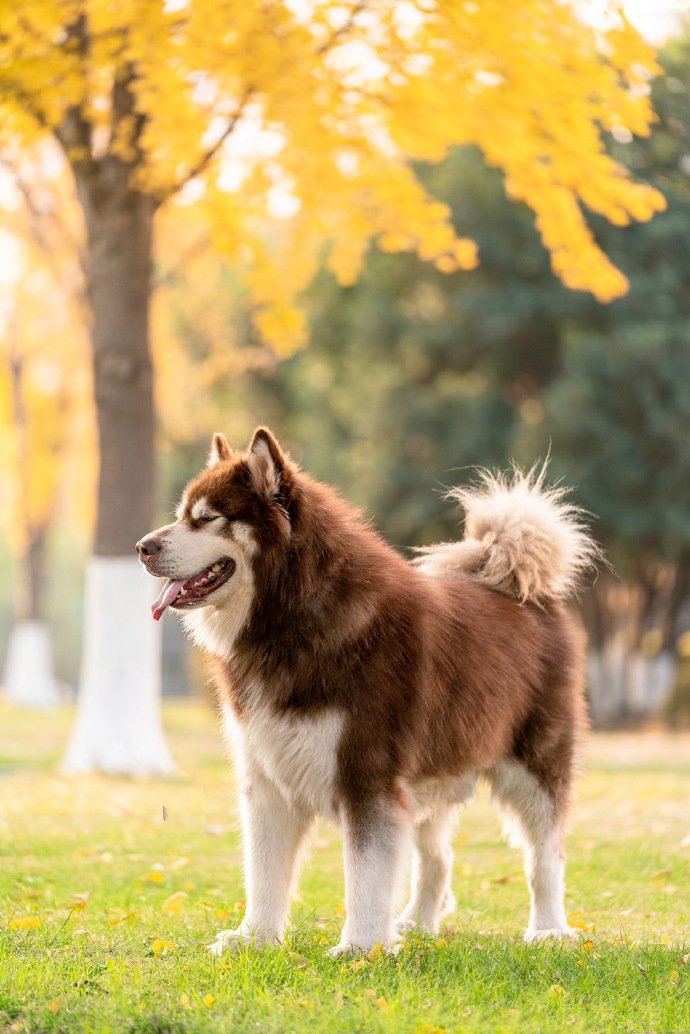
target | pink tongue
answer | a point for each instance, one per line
(168, 595)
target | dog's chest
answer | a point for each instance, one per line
(297, 753)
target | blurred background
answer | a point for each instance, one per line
(404, 381)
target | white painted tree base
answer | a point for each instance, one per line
(29, 680)
(118, 726)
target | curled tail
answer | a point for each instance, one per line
(521, 538)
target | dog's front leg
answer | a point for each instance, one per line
(375, 839)
(273, 832)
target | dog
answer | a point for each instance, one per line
(372, 690)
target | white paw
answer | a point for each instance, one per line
(346, 950)
(405, 924)
(232, 940)
(449, 905)
(551, 933)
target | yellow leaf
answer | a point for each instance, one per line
(557, 991)
(174, 905)
(53, 1007)
(665, 938)
(587, 945)
(155, 876)
(80, 901)
(208, 1000)
(161, 947)
(25, 923)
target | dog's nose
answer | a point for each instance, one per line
(148, 546)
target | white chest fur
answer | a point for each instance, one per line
(298, 753)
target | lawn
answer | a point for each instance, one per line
(106, 909)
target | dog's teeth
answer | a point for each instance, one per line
(216, 567)
(183, 592)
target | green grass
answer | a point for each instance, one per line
(120, 959)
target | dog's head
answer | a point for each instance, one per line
(228, 513)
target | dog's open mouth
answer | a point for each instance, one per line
(190, 593)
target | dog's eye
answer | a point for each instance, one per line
(207, 519)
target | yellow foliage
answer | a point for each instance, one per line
(47, 440)
(25, 923)
(317, 110)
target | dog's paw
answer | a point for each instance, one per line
(408, 924)
(345, 950)
(232, 940)
(554, 933)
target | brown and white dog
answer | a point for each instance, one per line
(361, 687)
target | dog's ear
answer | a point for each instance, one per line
(220, 450)
(266, 463)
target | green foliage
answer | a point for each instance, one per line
(413, 376)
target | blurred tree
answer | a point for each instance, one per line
(412, 377)
(618, 419)
(44, 411)
(317, 110)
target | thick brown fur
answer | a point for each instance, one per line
(437, 677)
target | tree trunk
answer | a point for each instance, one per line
(28, 678)
(118, 722)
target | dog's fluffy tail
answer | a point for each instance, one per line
(522, 538)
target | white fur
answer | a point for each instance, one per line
(273, 833)
(287, 769)
(531, 822)
(431, 897)
(374, 861)
(296, 753)
(521, 538)
(187, 551)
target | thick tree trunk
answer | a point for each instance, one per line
(118, 723)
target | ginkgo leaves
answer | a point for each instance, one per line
(322, 108)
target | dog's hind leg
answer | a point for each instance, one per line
(535, 824)
(376, 839)
(431, 897)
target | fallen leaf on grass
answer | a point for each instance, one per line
(587, 945)
(208, 1000)
(578, 921)
(674, 977)
(80, 901)
(557, 991)
(160, 947)
(118, 915)
(665, 939)
(25, 923)
(53, 1007)
(155, 875)
(174, 905)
